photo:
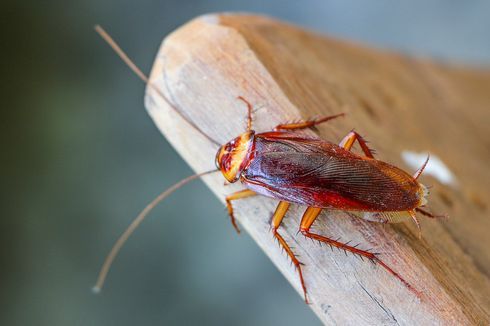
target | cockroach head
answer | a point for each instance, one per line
(235, 155)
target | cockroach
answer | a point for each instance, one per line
(295, 169)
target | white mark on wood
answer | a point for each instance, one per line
(435, 167)
(212, 19)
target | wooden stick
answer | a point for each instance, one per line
(400, 104)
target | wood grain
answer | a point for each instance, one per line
(398, 103)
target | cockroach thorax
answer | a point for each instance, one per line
(234, 156)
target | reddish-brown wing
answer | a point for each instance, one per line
(317, 173)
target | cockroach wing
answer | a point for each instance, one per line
(317, 173)
(383, 217)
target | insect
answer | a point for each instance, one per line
(308, 171)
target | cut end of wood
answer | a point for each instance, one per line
(399, 104)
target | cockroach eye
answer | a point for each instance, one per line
(216, 160)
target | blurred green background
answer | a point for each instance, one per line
(80, 158)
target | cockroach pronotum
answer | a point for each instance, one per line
(308, 171)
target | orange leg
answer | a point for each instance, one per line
(425, 213)
(250, 110)
(234, 196)
(430, 215)
(349, 140)
(310, 216)
(281, 210)
(307, 123)
(417, 223)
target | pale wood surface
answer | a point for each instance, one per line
(398, 103)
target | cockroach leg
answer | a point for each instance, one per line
(250, 110)
(310, 216)
(234, 196)
(417, 223)
(307, 123)
(430, 215)
(279, 214)
(349, 140)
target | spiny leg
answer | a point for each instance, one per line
(425, 213)
(310, 216)
(281, 210)
(250, 110)
(234, 196)
(349, 140)
(307, 123)
(417, 223)
(430, 215)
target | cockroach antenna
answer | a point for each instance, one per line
(141, 216)
(134, 225)
(125, 58)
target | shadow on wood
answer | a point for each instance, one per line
(400, 104)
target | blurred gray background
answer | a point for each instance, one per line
(80, 158)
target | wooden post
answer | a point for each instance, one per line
(399, 103)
